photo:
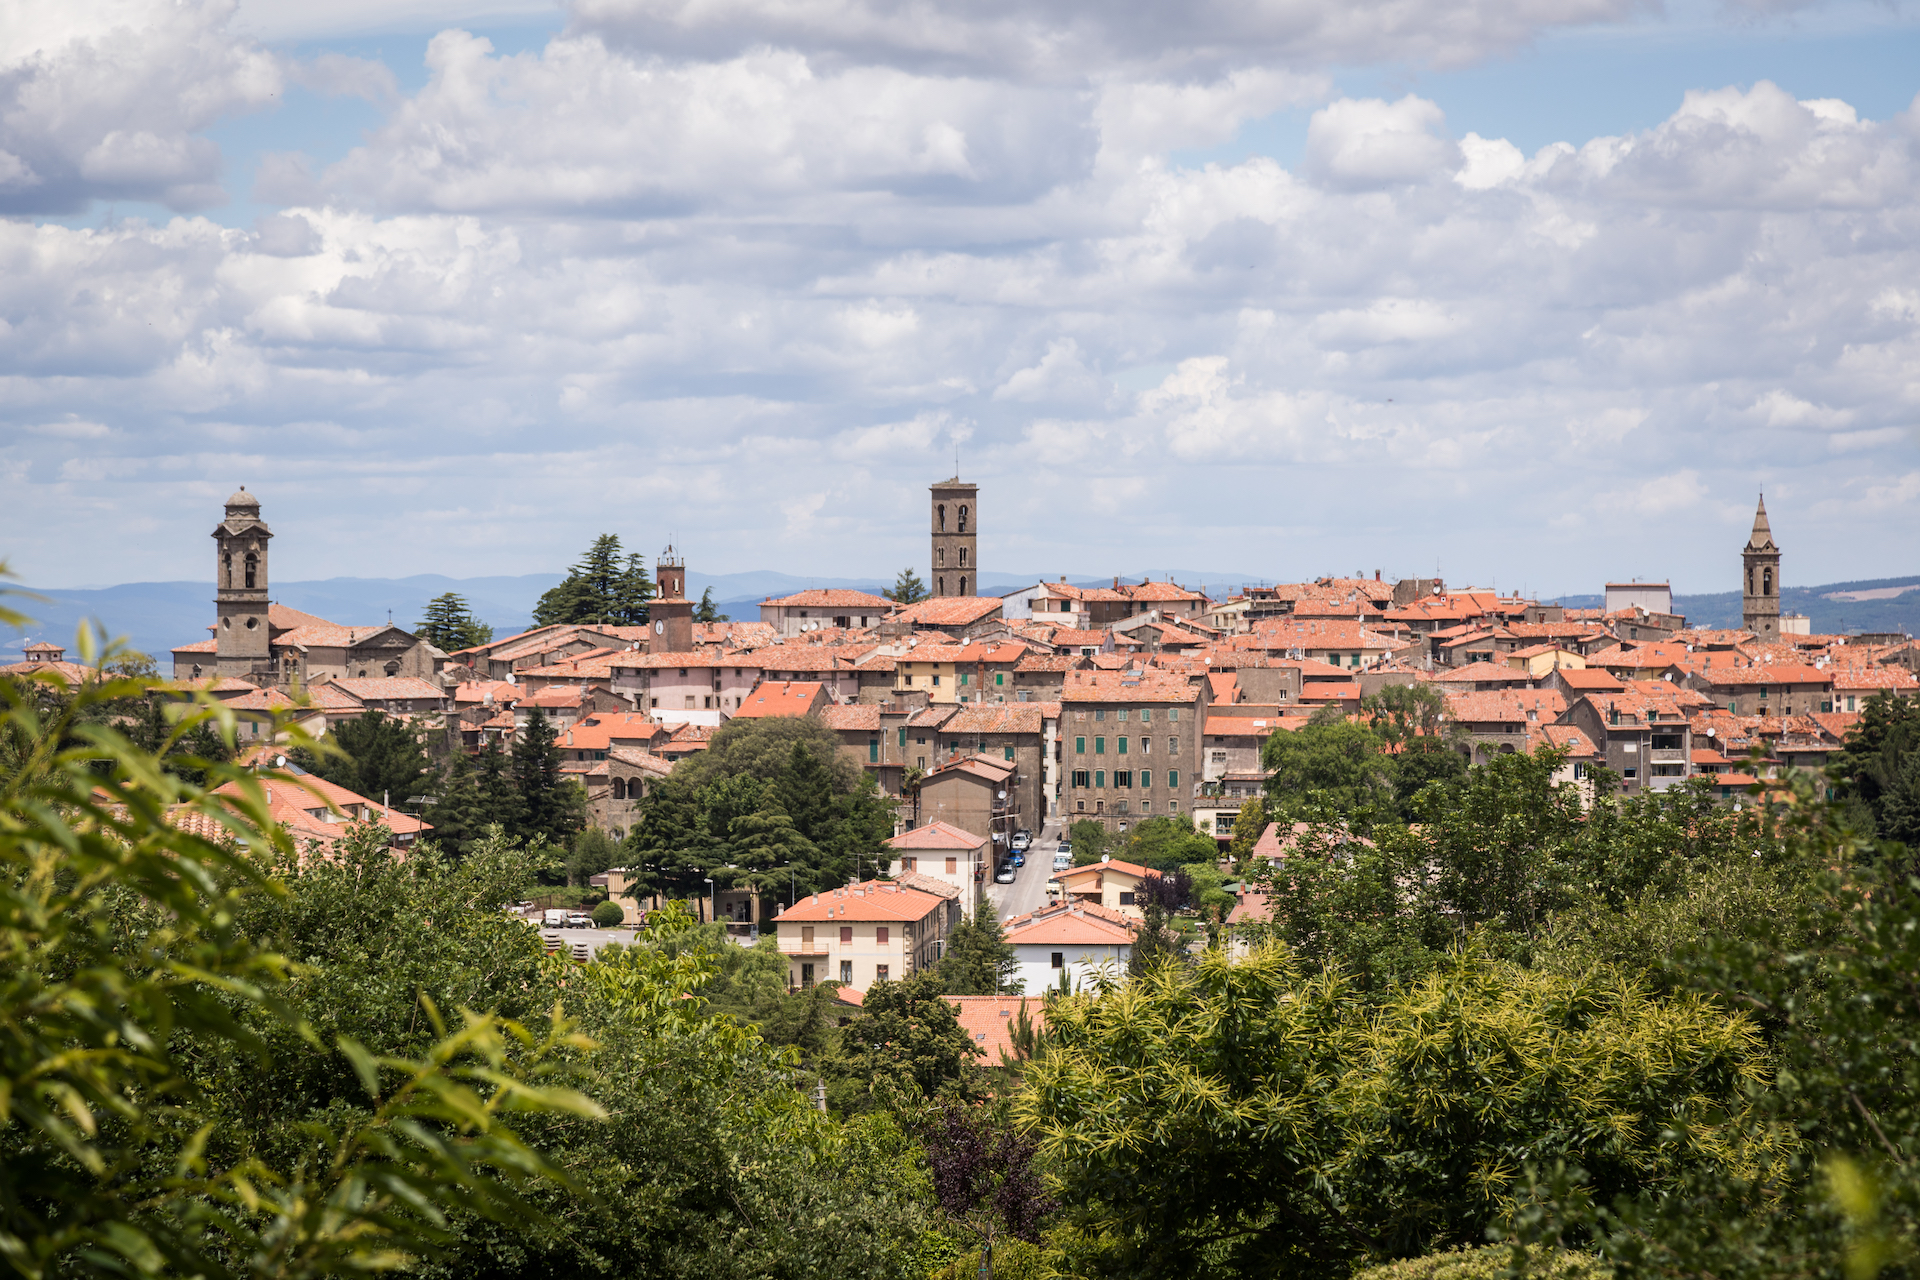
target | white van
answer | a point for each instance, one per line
(555, 917)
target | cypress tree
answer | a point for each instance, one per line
(458, 813)
(551, 812)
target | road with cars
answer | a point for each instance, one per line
(1028, 892)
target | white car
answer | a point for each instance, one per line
(579, 920)
(1005, 875)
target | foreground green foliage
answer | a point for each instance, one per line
(1295, 1128)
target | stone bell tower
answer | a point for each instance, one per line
(956, 529)
(241, 634)
(671, 613)
(1760, 588)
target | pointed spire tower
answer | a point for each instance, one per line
(1760, 579)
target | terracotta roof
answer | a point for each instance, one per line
(1067, 924)
(1002, 717)
(1112, 864)
(198, 646)
(1120, 686)
(936, 835)
(785, 698)
(852, 717)
(868, 900)
(926, 884)
(949, 611)
(1241, 726)
(832, 599)
(988, 1020)
(979, 766)
(1589, 679)
(382, 687)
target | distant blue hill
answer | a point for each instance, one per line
(156, 616)
(1826, 616)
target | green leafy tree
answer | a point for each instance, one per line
(554, 806)
(500, 800)
(906, 589)
(979, 959)
(1234, 1117)
(449, 624)
(592, 852)
(1090, 839)
(1155, 945)
(1166, 843)
(1340, 764)
(906, 1048)
(1248, 826)
(128, 977)
(1879, 768)
(707, 611)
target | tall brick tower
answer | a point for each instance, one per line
(956, 526)
(1760, 587)
(671, 613)
(241, 634)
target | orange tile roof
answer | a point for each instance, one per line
(1111, 864)
(1067, 924)
(852, 717)
(988, 1020)
(832, 599)
(868, 900)
(785, 698)
(936, 835)
(410, 687)
(949, 611)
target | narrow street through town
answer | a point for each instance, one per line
(1028, 892)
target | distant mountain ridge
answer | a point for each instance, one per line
(156, 616)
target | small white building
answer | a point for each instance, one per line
(1654, 597)
(1070, 943)
(805, 611)
(943, 852)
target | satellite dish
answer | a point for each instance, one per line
(1003, 795)
(279, 762)
(1713, 733)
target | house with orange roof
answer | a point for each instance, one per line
(1020, 733)
(699, 687)
(949, 855)
(1539, 660)
(810, 610)
(954, 615)
(1766, 688)
(1853, 686)
(1108, 883)
(1069, 945)
(316, 813)
(873, 931)
(1645, 737)
(42, 659)
(785, 698)
(1498, 723)
(989, 1021)
(1232, 738)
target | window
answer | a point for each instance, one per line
(953, 866)
(1666, 742)
(1173, 806)
(1122, 746)
(1126, 897)
(1173, 780)
(879, 973)
(1630, 773)
(1121, 714)
(846, 935)
(1099, 746)
(1579, 769)
(999, 677)
(1099, 713)
(1146, 806)
(903, 739)
(1146, 778)
(880, 935)
(920, 763)
(1080, 806)
(1059, 959)
(1146, 714)
(963, 677)
(1080, 778)
(1099, 777)
(1079, 746)
(806, 939)
(1146, 746)
(1009, 750)
(806, 975)
(1173, 714)
(1123, 777)
(963, 557)
(873, 750)
(846, 972)
(1173, 746)
(936, 682)
(911, 863)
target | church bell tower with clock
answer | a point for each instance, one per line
(670, 615)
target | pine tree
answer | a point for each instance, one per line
(602, 588)
(767, 847)
(706, 611)
(458, 813)
(979, 960)
(551, 811)
(627, 607)
(499, 798)
(449, 624)
(907, 588)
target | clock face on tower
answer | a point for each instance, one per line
(659, 628)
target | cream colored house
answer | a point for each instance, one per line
(1106, 883)
(1540, 659)
(862, 934)
(944, 852)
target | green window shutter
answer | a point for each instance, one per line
(873, 751)
(903, 737)
(1099, 746)
(1079, 746)
(1009, 752)
(1173, 713)
(999, 677)
(1123, 746)
(1146, 777)
(1099, 777)
(1173, 777)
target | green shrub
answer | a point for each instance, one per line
(608, 914)
(1013, 1259)
(1493, 1262)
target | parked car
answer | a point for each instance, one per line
(1021, 839)
(555, 917)
(1062, 860)
(1019, 859)
(1005, 875)
(1066, 847)
(579, 920)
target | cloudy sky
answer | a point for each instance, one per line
(1533, 291)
